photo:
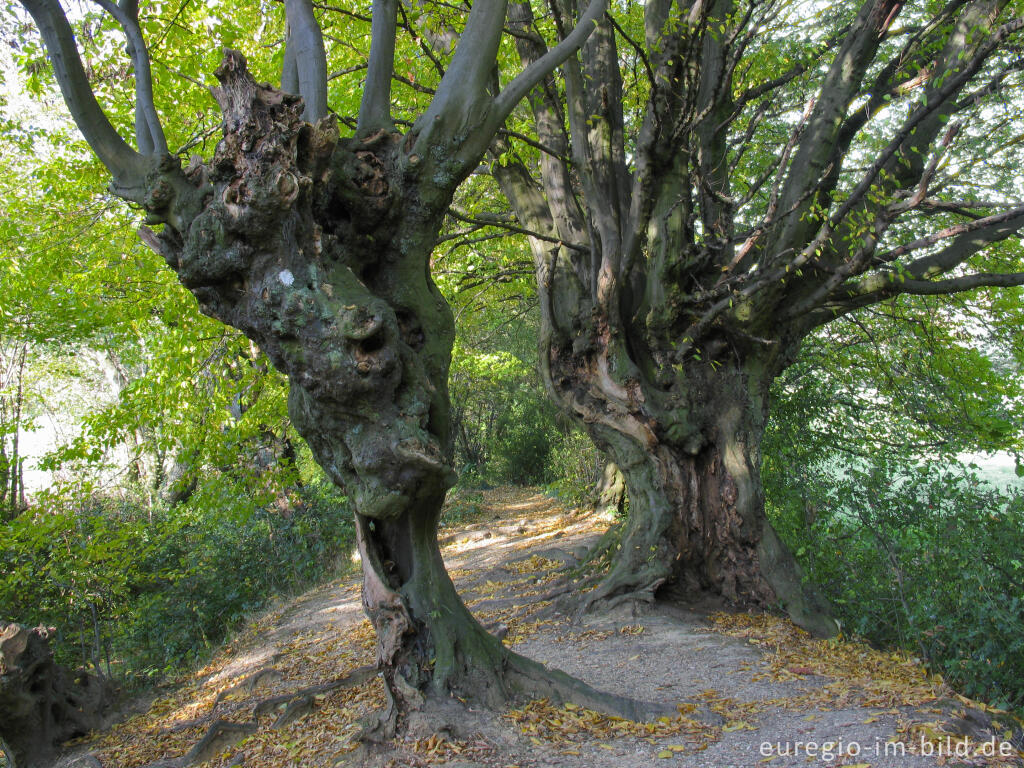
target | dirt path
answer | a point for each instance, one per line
(769, 694)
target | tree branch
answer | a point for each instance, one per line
(816, 149)
(149, 134)
(538, 70)
(998, 226)
(969, 239)
(375, 108)
(494, 222)
(913, 137)
(304, 50)
(127, 166)
(549, 123)
(843, 306)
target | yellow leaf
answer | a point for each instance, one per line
(738, 725)
(665, 753)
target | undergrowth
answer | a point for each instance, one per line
(136, 594)
(921, 557)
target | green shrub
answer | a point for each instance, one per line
(147, 592)
(925, 557)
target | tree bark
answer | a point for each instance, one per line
(610, 492)
(689, 449)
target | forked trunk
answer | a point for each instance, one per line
(428, 643)
(427, 640)
(318, 249)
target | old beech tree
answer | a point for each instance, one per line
(318, 248)
(714, 182)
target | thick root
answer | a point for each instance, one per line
(537, 681)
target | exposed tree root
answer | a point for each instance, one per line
(379, 727)
(249, 684)
(622, 586)
(288, 708)
(605, 547)
(220, 736)
(537, 681)
(80, 761)
(187, 725)
(291, 706)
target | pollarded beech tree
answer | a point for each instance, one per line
(318, 248)
(714, 182)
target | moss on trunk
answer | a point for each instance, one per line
(697, 509)
(318, 249)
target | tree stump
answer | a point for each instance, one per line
(43, 704)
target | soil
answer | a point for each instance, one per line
(295, 686)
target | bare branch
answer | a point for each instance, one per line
(375, 108)
(346, 71)
(539, 146)
(305, 59)
(757, 91)
(946, 287)
(914, 135)
(637, 48)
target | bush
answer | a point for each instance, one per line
(147, 592)
(924, 557)
(575, 467)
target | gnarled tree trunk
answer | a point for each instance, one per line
(677, 274)
(696, 502)
(318, 248)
